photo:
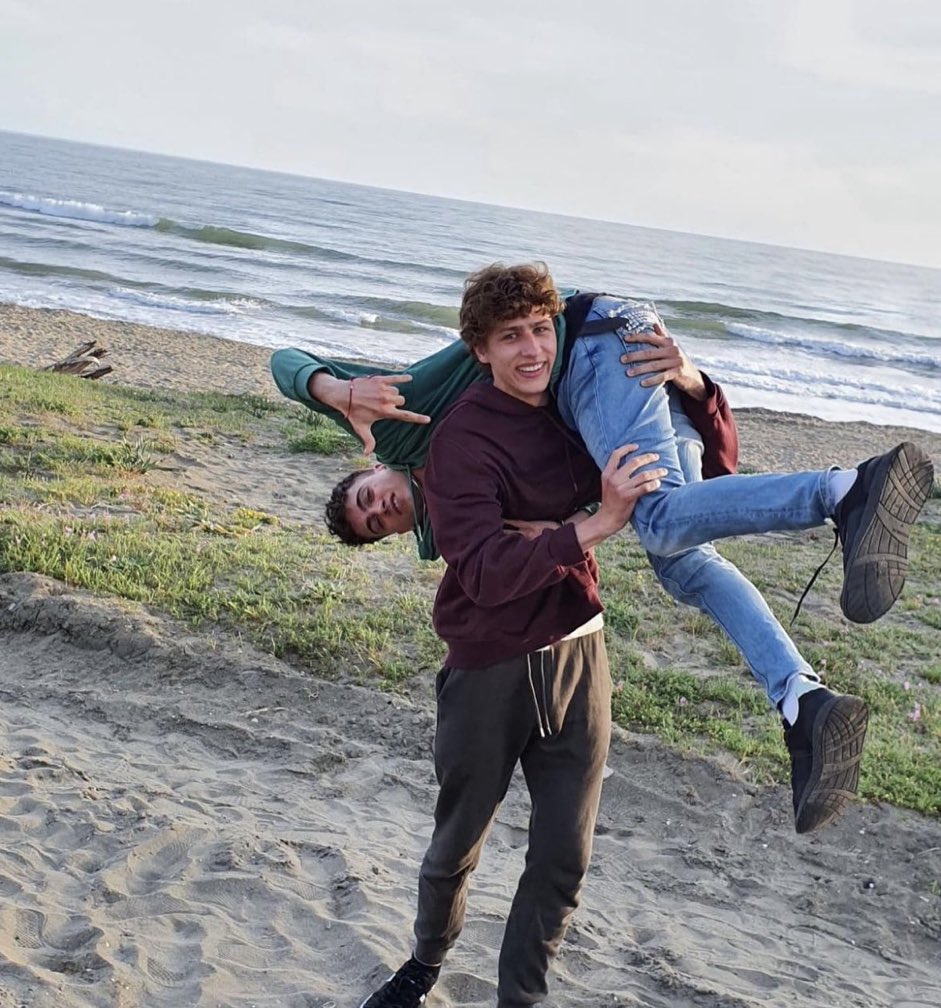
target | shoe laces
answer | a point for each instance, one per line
(409, 983)
(815, 575)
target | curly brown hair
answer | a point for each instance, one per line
(335, 512)
(499, 292)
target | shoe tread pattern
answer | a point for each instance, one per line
(874, 574)
(839, 732)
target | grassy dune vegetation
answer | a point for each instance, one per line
(88, 495)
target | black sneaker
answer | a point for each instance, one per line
(873, 522)
(406, 988)
(826, 745)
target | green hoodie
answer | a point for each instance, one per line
(436, 382)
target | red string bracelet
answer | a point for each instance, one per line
(349, 405)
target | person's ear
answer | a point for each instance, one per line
(480, 352)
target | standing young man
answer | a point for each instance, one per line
(505, 599)
(526, 677)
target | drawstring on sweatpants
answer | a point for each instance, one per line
(542, 712)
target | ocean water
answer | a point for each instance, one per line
(362, 273)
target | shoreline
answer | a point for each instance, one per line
(147, 356)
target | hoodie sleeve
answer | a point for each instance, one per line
(292, 369)
(492, 566)
(712, 417)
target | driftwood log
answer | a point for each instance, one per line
(84, 361)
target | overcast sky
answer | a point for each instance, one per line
(813, 123)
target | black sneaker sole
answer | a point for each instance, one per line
(875, 566)
(837, 744)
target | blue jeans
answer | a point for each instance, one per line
(689, 446)
(676, 523)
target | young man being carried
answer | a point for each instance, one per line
(369, 504)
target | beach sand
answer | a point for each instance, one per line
(187, 822)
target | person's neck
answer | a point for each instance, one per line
(535, 401)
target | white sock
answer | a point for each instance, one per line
(797, 686)
(840, 481)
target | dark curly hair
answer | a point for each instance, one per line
(335, 512)
(499, 292)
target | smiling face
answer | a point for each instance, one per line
(520, 353)
(379, 503)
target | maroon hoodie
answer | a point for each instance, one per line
(503, 595)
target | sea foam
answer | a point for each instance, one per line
(75, 210)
